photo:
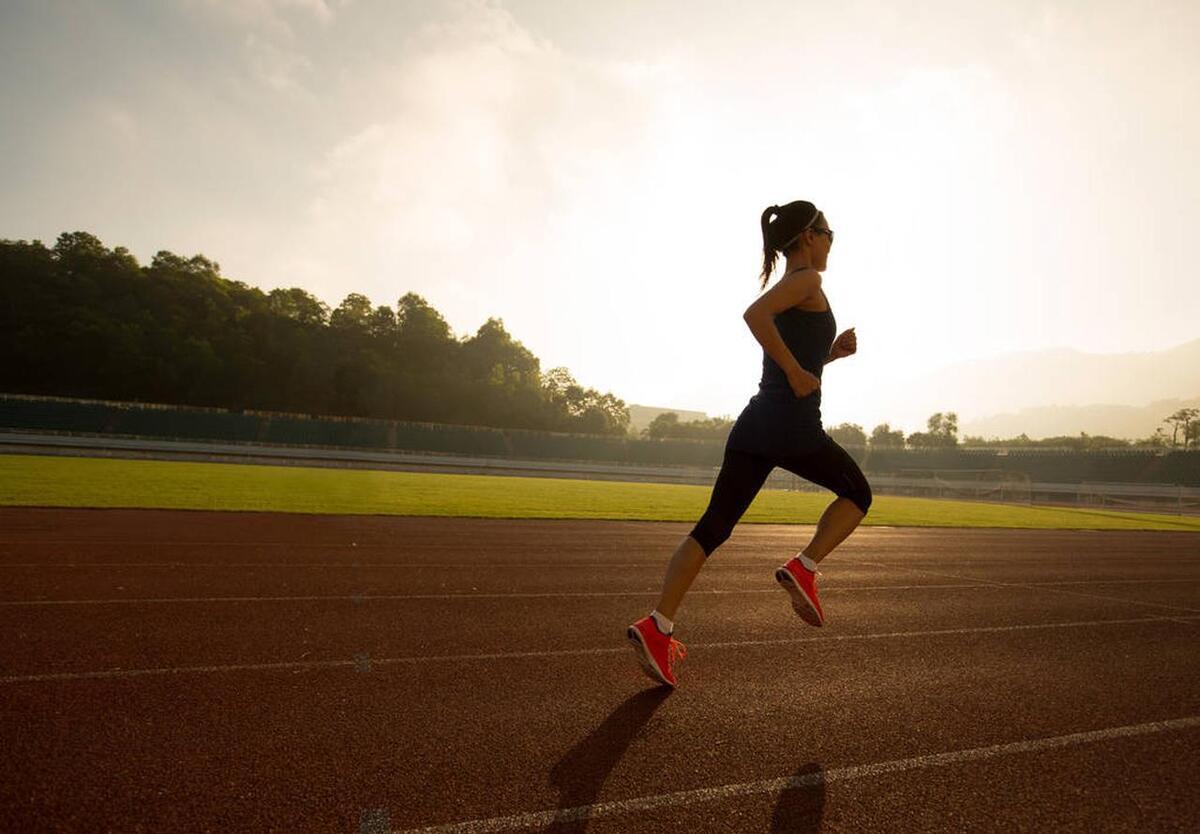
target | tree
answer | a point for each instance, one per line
(1191, 430)
(167, 261)
(605, 414)
(848, 434)
(297, 305)
(586, 409)
(78, 250)
(945, 425)
(882, 437)
(662, 426)
(416, 321)
(1158, 440)
(943, 432)
(563, 391)
(492, 356)
(80, 320)
(354, 313)
(381, 324)
(1182, 419)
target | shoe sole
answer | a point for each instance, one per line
(644, 657)
(800, 602)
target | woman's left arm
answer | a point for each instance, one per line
(843, 345)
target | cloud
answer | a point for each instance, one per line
(268, 37)
(115, 121)
(276, 66)
(481, 136)
(268, 15)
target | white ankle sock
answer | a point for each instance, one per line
(807, 562)
(664, 625)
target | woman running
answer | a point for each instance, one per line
(780, 426)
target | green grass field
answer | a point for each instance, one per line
(34, 480)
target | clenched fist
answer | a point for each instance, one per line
(844, 345)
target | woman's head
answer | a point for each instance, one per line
(799, 231)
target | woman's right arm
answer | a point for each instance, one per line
(790, 291)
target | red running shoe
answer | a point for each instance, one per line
(801, 583)
(655, 650)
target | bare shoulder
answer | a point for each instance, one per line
(794, 290)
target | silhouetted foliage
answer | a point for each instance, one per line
(79, 320)
(884, 437)
(943, 432)
(848, 434)
(667, 425)
(1187, 419)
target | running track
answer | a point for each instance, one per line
(247, 672)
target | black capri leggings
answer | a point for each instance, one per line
(743, 474)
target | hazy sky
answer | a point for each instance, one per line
(1001, 176)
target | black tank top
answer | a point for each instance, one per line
(809, 335)
(776, 423)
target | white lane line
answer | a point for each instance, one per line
(729, 564)
(1118, 582)
(447, 565)
(829, 589)
(1044, 587)
(467, 595)
(973, 585)
(735, 563)
(321, 664)
(96, 542)
(657, 565)
(771, 786)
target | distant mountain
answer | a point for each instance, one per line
(1049, 392)
(1127, 421)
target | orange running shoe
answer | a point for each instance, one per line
(801, 583)
(656, 651)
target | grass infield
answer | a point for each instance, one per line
(47, 481)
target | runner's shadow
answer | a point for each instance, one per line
(581, 772)
(800, 808)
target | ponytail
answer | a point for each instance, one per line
(778, 236)
(768, 249)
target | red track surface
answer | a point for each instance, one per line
(190, 671)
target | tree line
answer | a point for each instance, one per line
(942, 432)
(80, 320)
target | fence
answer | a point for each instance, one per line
(147, 420)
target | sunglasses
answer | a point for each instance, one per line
(828, 232)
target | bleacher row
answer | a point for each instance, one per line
(92, 417)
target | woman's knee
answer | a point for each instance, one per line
(742, 475)
(861, 496)
(710, 533)
(856, 489)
